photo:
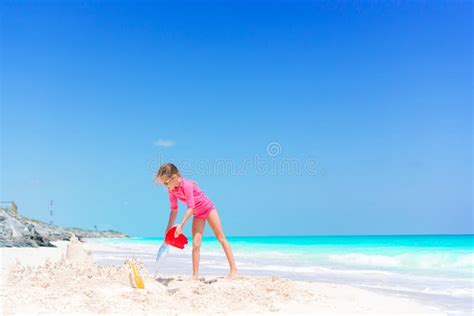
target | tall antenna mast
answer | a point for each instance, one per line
(51, 213)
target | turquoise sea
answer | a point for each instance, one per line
(437, 270)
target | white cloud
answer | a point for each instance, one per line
(165, 143)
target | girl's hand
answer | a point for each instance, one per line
(178, 231)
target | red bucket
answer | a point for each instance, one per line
(177, 242)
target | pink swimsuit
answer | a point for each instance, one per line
(189, 192)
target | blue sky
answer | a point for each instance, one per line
(372, 101)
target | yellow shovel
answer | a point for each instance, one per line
(136, 277)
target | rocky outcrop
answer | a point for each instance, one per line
(21, 231)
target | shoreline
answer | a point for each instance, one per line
(44, 288)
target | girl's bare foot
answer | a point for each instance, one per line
(232, 274)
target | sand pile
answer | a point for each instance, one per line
(76, 284)
(244, 294)
(73, 283)
(75, 251)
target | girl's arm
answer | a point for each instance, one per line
(186, 217)
(174, 209)
(172, 218)
(188, 191)
(179, 229)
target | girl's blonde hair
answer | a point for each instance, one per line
(167, 169)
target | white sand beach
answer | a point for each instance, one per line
(66, 280)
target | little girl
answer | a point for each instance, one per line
(200, 206)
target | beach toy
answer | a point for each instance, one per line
(170, 240)
(138, 280)
(177, 242)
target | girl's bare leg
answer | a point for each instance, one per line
(197, 232)
(215, 223)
